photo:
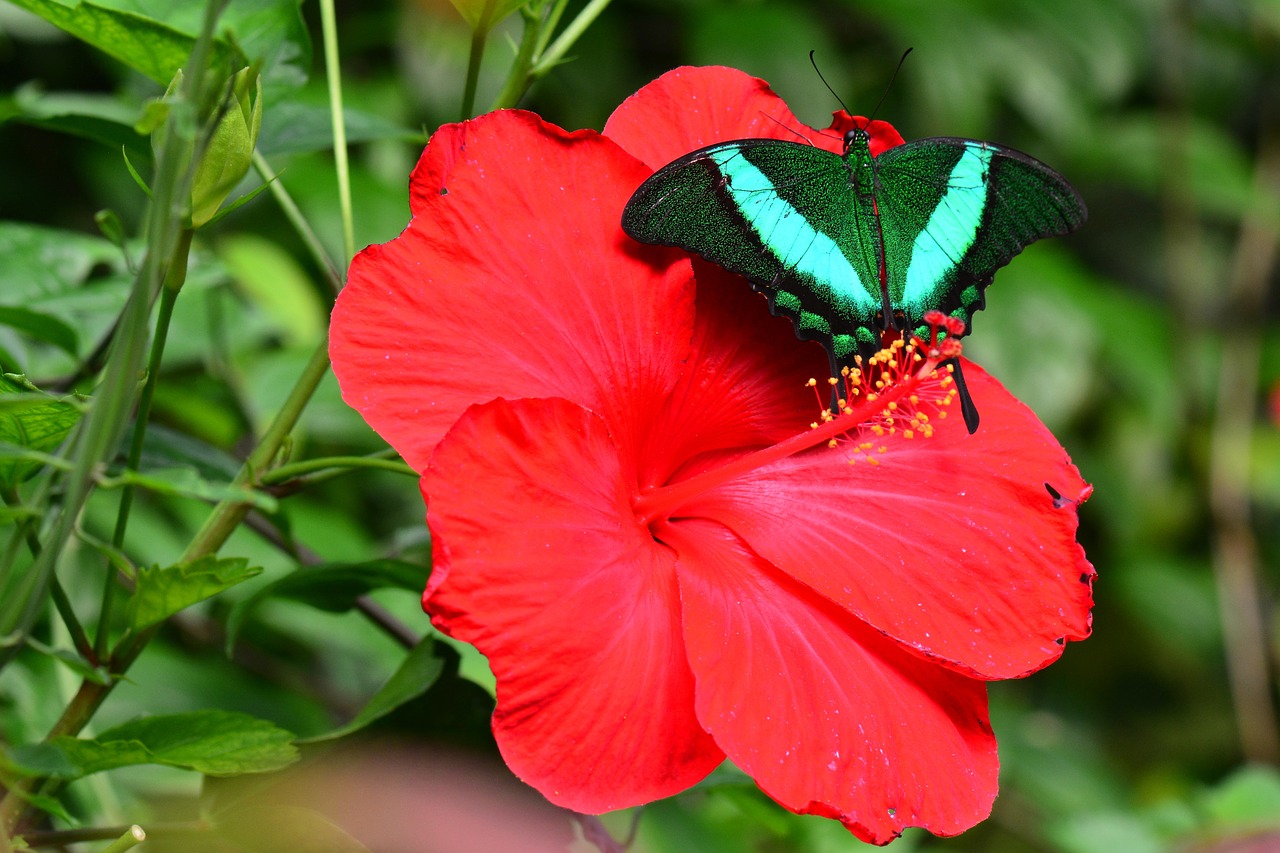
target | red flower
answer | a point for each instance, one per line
(633, 520)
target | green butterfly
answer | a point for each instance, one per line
(850, 246)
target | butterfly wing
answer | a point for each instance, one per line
(783, 215)
(953, 211)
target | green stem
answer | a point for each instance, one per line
(155, 832)
(333, 72)
(228, 514)
(61, 601)
(132, 837)
(571, 34)
(518, 77)
(549, 26)
(479, 38)
(175, 277)
(292, 471)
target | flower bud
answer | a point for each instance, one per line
(230, 150)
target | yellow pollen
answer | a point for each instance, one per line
(812, 383)
(832, 443)
(873, 460)
(908, 433)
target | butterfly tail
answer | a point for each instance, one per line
(967, 408)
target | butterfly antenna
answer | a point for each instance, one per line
(888, 85)
(818, 71)
(785, 127)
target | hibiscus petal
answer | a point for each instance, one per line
(743, 385)
(953, 545)
(512, 280)
(828, 717)
(542, 566)
(690, 107)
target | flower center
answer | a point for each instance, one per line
(899, 392)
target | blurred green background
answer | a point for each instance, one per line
(1149, 342)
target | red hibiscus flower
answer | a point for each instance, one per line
(635, 521)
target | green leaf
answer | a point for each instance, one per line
(187, 483)
(213, 742)
(160, 593)
(44, 263)
(293, 128)
(1251, 795)
(107, 119)
(416, 673)
(39, 423)
(333, 587)
(151, 48)
(168, 448)
(43, 327)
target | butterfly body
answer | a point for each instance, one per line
(852, 245)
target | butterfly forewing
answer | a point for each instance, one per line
(954, 211)
(784, 215)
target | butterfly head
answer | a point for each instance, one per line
(856, 138)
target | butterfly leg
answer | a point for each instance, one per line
(967, 408)
(838, 384)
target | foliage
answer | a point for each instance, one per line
(209, 564)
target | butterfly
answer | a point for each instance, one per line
(851, 246)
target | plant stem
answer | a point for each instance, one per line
(228, 514)
(26, 529)
(333, 72)
(294, 470)
(174, 278)
(518, 77)
(1241, 598)
(479, 38)
(132, 837)
(155, 832)
(549, 25)
(571, 34)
